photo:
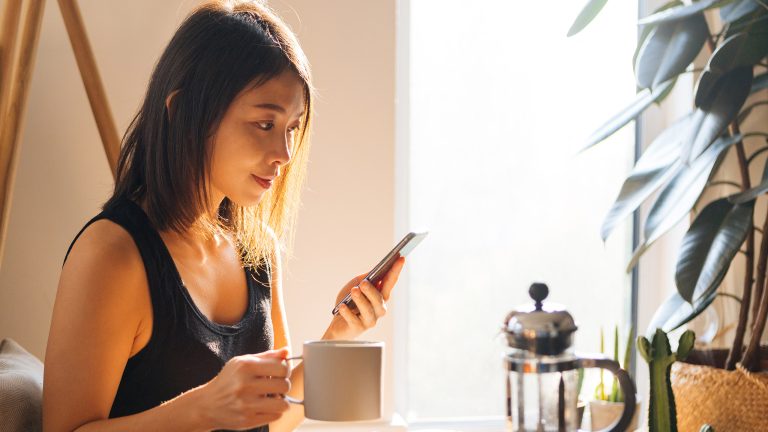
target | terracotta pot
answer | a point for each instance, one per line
(604, 414)
(727, 400)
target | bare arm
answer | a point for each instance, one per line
(99, 310)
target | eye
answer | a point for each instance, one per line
(264, 125)
(293, 128)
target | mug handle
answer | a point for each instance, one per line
(627, 386)
(288, 398)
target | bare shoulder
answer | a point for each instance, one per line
(107, 244)
(105, 262)
(104, 236)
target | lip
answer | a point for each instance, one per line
(266, 183)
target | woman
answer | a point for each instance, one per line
(155, 326)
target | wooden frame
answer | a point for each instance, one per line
(15, 75)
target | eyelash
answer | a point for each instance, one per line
(271, 125)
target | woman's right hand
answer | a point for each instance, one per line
(248, 392)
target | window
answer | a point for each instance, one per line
(499, 101)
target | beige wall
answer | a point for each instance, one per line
(347, 219)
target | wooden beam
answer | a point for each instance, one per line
(93, 85)
(10, 130)
(10, 28)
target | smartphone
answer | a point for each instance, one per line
(406, 245)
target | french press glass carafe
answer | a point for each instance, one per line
(542, 371)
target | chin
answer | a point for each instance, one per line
(247, 201)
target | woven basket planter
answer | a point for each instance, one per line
(727, 400)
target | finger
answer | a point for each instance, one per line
(353, 321)
(389, 280)
(281, 353)
(269, 405)
(263, 367)
(376, 299)
(367, 313)
(355, 281)
(261, 387)
(351, 284)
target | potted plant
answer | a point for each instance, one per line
(683, 162)
(608, 404)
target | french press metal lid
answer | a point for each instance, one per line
(540, 330)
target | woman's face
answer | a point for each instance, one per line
(255, 139)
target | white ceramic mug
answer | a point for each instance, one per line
(342, 380)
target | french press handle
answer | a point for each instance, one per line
(627, 386)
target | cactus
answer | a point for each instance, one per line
(662, 412)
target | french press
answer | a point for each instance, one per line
(542, 370)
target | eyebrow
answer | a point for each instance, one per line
(275, 107)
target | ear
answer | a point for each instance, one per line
(169, 100)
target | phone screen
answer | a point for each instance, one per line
(403, 248)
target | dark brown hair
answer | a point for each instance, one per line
(220, 49)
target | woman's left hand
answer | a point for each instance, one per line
(370, 304)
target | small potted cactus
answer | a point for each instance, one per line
(608, 404)
(662, 411)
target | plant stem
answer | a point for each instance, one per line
(711, 44)
(759, 313)
(750, 359)
(744, 113)
(729, 295)
(738, 340)
(755, 154)
(725, 182)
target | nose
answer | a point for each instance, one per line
(282, 148)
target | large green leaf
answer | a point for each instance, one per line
(677, 199)
(742, 49)
(731, 54)
(711, 118)
(709, 246)
(733, 11)
(658, 163)
(754, 192)
(751, 194)
(704, 87)
(677, 13)
(754, 23)
(642, 101)
(590, 11)
(647, 30)
(680, 194)
(759, 83)
(675, 312)
(669, 49)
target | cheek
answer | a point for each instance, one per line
(232, 147)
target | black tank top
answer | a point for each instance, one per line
(185, 349)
